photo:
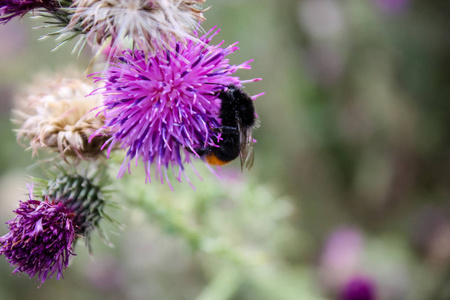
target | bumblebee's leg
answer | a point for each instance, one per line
(202, 151)
(228, 150)
(199, 151)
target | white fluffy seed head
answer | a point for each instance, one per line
(55, 113)
(146, 23)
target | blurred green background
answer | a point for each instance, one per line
(351, 178)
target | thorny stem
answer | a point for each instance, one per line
(198, 240)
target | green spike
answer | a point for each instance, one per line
(82, 193)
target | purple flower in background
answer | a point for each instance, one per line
(342, 250)
(40, 239)
(392, 6)
(341, 257)
(162, 107)
(358, 288)
(9, 9)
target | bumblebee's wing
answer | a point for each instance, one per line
(247, 154)
(250, 155)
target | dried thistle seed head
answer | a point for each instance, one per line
(147, 23)
(56, 114)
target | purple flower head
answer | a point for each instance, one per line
(40, 239)
(9, 9)
(162, 107)
(359, 288)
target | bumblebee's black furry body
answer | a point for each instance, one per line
(238, 117)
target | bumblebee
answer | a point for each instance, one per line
(238, 121)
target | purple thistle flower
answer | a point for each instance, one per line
(359, 288)
(162, 107)
(40, 239)
(9, 9)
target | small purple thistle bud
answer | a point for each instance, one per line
(40, 239)
(9, 9)
(359, 288)
(160, 108)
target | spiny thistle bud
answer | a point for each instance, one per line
(147, 23)
(55, 114)
(81, 194)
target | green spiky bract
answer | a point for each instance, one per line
(59, 18)
(81, 193)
